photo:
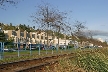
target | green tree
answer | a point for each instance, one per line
(10, 24)
(2, 37)
(33, 27)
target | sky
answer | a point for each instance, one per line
(93, 12)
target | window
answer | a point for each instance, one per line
(14, 33)
(33, 35)
(46, 38)
(28, 35)
(22, 34)
(41, 37)
(38, 37)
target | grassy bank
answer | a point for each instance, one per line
(89, 62)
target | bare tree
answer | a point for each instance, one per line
(78, 32)
(42, 17)
(4, 3)
(47, 17)
(79, 27)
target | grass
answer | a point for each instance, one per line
(95, 61)
(89, 62)
(26, 52)
(64, 65)
(24, 55)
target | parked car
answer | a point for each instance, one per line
(52, 47)
(62, 46)
(40, 45)
(6, 50)
(37, 46)
(9, 50)
(12, 50)
(33, 46)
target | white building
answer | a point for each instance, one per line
(61, 41)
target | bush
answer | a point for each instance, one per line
(92, 62)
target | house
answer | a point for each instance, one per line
(33, 38)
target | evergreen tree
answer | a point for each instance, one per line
(2, 36)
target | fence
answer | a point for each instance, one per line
(1, 50)
(24, 49)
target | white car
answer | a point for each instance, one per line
(6, 50)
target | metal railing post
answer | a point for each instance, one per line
(30, 49)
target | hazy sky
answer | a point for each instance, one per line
(93, 12)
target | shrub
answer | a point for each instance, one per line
(92, 62)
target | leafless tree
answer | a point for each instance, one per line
(47, 17)
(4, 3)
(79, 27)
